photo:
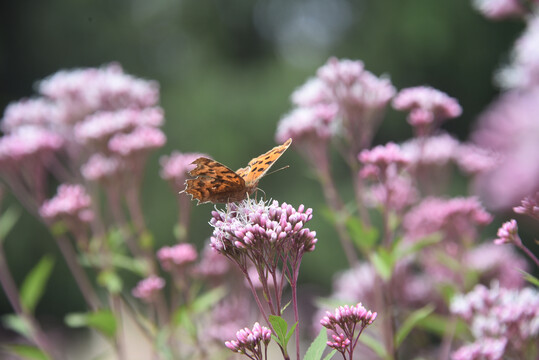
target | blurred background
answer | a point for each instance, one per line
(226, 69)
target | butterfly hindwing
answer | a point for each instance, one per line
(214, 182)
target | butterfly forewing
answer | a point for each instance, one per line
(260, 165)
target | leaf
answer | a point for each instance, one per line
(279, 326)
(317, 347)
(182, 318)
(111, 281)
(137, 266)
(530, 278)
(364, 237)
(26, 352)
(206, 300)
(374, 345)
(146, 240)
(102, 321)
(383, 263)
(437, 324)
(417, 246)
(291, 332)
(8, 220)
(410, 323)
(17, 324)
(33, 286)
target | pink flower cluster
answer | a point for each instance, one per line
(177, 256)
(70, 203)
(500, 9)
(509, 316)
(175, 167)
(508, 233)
(347, 324)
(456, 218)
(28, 144)
(427, 106)
(37, 112)
(485, 349)
(529, 206)
(148, 288)
(378, 159)
(249, 342)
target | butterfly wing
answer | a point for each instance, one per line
(259, 166)
(214, 182)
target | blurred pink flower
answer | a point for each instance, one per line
(100, 167)
(212, 264)
(456, 218)
(175, 167)
(70, 203)
(437, 150)
(177, 256)
(39, 112)
(141, 139)
(508, 234)
(102, 125)
(484, 349)
(475, 160)
(28, 143)
(500, 9)
(147, 289)
(510, 128)
(87, 90)
(313, 123)
(428, 107)
(382, 156)
(313, 92)
(523, 71)
(529, 206)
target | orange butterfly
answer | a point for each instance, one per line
(217, 183)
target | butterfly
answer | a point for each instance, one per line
(216, 183)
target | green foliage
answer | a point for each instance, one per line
(282, 334)
(383, 262)
(530, 278)
(103, 321)
(317, 347)
(18, 324)
(410, 323)
(34, 284)
(364, 237)
(8, 220)
(111, 281)
(374, 345)
(26, 352)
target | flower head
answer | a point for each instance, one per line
(253, 226)
(347, 323)
(529, 206)
(140, 140)
(381, 157)
(175, 167)
(147, 289)
(177, 256)
(37, 112)
(508, 234)
(250, 342)
(71, 202)
(427, 106)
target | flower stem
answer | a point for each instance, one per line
(529, 253)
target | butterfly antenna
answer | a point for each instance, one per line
(274, 171)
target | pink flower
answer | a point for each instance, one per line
(176, 166)
(473, 159)
(456, 218)
(250, 342)
(379, 160)
(212, 264)
(102, 125)
(437, 150)
(484, 349)
(28, 142)
(510, 128)
(427, 106)
(142, 139)
(500, 9)
(508, 234)
(307, 124)
(100, 167)
(313, 92)
(177, 256)
(523, 71)
(38, 112)
(147, 289)
(71, 202)
(87, 90)
(529, 206)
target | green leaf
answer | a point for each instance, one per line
(8, 220)
(102, 321)
(364, 237)
(530, 278)
(374, 345)
(317, 347)
(33, 287)
(110, 280)
(146, 240)
(206, 300)
(383, 263)
(410, 323)
(417, 246)
(17, 324)
(59, 228)
(26, 352)
(330, 355)
(279, 326)
(183, 319)
(137, 266)
(291, 332)
(437, 324)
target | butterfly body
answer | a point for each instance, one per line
(216, 183)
